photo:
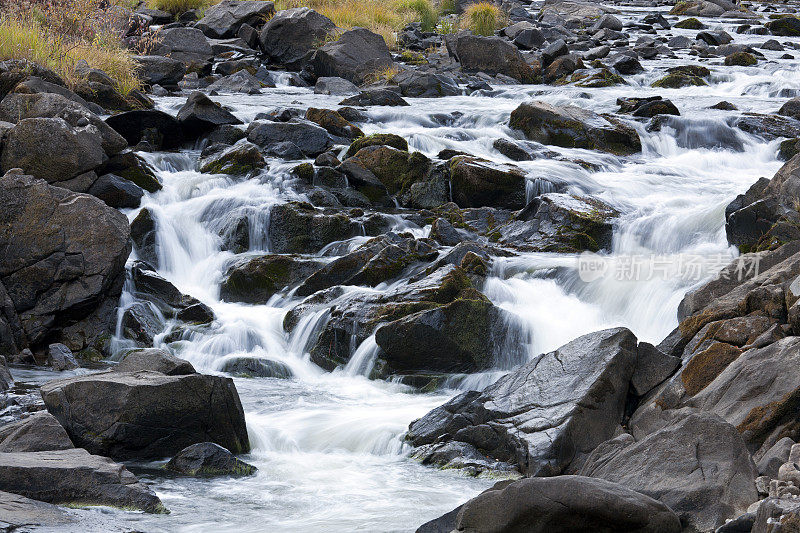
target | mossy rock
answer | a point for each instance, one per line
(376, 139)
(689, 24)
(704, 367)
(255, 281)
(789, 148)
(676, 80)
(396, 169)
(740, 59)
(413, 58)
(604, 78)
(787, 26)
(240, 159)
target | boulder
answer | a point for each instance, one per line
(15, 71)
(256, 280)
(156, 360)
(160, 70)
(254, 367)
(63, 264)
(372, 97)
(335, 86)
(697, 8)
(18, 512)
(698, 465)
(60, 357)
(491, 55)
(52, 150)
(377, 139)
(479, 183)
(293, 34)
(238, 82)
(8, 344)
(791, 108)
(355, 56)
(208, 459)
(116, 191)
(297, 227)
(774, 458)
(309, 137)
(147, 414)
(574, 127)
(559, 505)
(187, 45)
(241, 159)
(170, 302)
(200, 114)
(143, 237)
(161, 130)
(415, 84)
(38, 433)
(333, 122)
(396, 169)
(787, 26)
(74, 477)
(223, 21)
(541, 416)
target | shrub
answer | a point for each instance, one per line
(483, 18)
(60, 33)
(421, 10)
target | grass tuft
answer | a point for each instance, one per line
(483, 18)
(176, 7)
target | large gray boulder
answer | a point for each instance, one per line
(224, 20)
(17, 106)
(187, 45)
(256, 280)
(307, 136)
(491, 55)
(297, 227)
(563, 504)
(37, 433)
(355, 56)
(574, 127)
(74, 477)
(52, 150)
(160, 70)
(544, 414)
(147, 414)
(481, 183)
(17, 512)
(157, 360)
(62, 266)
(698, 465)
(208, 459)
(201, 114)
(292, 34)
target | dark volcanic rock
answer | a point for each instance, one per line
(147, 414)
(355, 56)
(293, 34)
(200, 114)
(224, 20)
(74, 477)
(208, 459)
(563, 504)
(491, 55)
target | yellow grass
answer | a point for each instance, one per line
(26, 38)
(483, 18)
(177, 7)
(380, 16)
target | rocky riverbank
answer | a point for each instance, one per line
(350, 265)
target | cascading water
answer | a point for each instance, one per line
(329, 446)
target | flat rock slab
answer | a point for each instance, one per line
(75, 477)
(18, 511)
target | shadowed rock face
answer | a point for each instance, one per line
(62, 263)
(542, 415)
(75, 477)
(147, 414)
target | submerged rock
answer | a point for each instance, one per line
(208, 459)
(253, 367)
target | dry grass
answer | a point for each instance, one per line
(59, 34)
(382, 17)
(384, 75)
(176, 7)
(483, 18)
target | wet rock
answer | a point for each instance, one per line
(625, 64)
(256, 280)
(479, 183)
(656, 107)
(377, 139)
(143, 237)
(37, 433)
(63, 265)
(187, 45)
(335, 86)
(698, 466)
(299, 228)
(690, 23)
(52, 150)
(372, 97)
(254, 367)
(156, 360)
(238, 82)
(714, 38)
(698, 8)
(512, 150)
(6, 380)
(768, 126)
(527, 416)
(74, 477)
(309, 137)
(293, 34)
(160, 70)
(223, 21)
(20, 512)
(559, 504)
(430, 193)
(201, 114)
(374, 262)
(159, 129)
(396, 169)
(787, 26)
(116, 191)
(574, 127)
(561, 67)
(653, 367)
(60, 357)
(355, 56)
(333, 122)
(141, 323)
(791, 108)
(146, 414)
(133, 169)
(208, 459)
(166, 297)
(415, 84)
(240, 159)
(491, 55)
(740, 59)
(683, 76)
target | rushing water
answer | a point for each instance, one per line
(329, 445)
